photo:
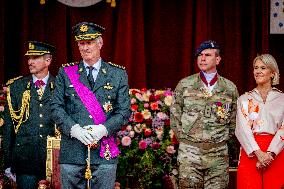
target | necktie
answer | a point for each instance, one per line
(90, 76)
(39, 85)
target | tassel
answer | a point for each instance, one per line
(42, 2)
(113, 3)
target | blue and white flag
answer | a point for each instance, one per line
(277, 17)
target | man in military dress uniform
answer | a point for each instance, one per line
(27, 118)
(203, 119)
(91, 102)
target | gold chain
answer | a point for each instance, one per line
(19, 116)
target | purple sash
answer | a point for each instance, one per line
(94, 108)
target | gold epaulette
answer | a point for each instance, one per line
(70, 64)
(10, 81)
(118, 66)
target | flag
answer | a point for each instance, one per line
(277, 17)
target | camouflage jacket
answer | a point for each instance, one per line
(200, 116)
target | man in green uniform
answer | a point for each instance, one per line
(27, 118)
(203, 119)
(91, 103)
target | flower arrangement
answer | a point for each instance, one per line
(147, 145)
(3, 179)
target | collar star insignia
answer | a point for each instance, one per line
(104, 70)
(80, 70)
(108, 86)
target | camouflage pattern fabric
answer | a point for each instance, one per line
(204, 120)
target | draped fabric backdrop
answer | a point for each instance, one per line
(154, 39)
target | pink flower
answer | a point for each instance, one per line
(128, 128)
(133, 100)
(126, 141)
(162, 115)
(131, 134)
(171, 149)
(146, 105)
(155, 145)
(139, 96)
(4, 89)
(142, 145)
(154, 106)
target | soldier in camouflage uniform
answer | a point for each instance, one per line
(203, 119)
(27, 118)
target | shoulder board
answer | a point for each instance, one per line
(10, 81)
(115, 65)
(70, 64)
(274, 88)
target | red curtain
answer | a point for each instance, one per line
(154, 40)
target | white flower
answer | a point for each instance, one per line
(168, 100)
(146, 114)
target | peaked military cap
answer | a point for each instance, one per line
(87, 31)
(36, 48)
(207, 45)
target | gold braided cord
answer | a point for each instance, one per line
(19, 116)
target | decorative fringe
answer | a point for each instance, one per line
(112, 3)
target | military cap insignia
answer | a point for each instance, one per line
(107, 106)
(84, 28)
(10, 81)
(108, 86)
(118, 66)
(31, 46)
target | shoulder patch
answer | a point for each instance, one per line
(70, 64)
(10, 81)
(115, 65)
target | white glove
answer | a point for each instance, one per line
(10, 175)
(81, 134)
(97, 131)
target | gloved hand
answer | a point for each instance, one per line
(81, 134)
(97, 131)
(10, 175)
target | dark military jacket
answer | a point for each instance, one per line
(111, 86)
(25, 151)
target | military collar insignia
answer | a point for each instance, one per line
(80, 70)
(108, 86)
(28, 87)
(107, 106)
(51, 85)
(104, 71)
